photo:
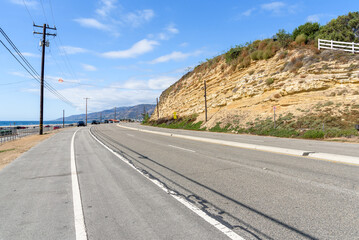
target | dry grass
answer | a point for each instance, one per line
(9, 151)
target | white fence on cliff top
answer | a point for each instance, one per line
(341, 46)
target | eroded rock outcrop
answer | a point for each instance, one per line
(295, 81)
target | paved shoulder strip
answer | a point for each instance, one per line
(293, 152)
(228, 232)
(78, 212)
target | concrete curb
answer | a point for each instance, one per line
(294, 152)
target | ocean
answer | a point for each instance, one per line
(24, 123)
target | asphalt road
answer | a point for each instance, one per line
(117, 201)
(259, 195)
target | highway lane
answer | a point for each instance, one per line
(261, 195)
(119, 203)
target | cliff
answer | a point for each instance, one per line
(300, 81)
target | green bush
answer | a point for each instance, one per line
(336, 132)
(300, 39)
(267, 54)
(233, 53)
(269, 81)
(254, 55)
(344, 28)
(146, 118)
(218, 128)
(284, 38)
(313, 134)
(309, 29)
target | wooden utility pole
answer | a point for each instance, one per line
(115, 113)
(63, 118)
(86, 109)
(100, 117)
(274, 108)
(43, 44)
(158, 111)
(205, 100)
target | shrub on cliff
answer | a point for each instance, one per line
(283, 38)
(309, 29)
(233, 53)
(300, 39)
(344, 28)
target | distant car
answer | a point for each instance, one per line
(106, 121)
(56, 127)
(47, 126)
(95, 122)
(71, 125)
(81, 123)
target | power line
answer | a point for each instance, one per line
(43, 10)
(67, 65)
(32, 71)
(63, 53)
(23, 1)
(18, 60)
(48, 86)
(52, 13)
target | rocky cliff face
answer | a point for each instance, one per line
(300, 81)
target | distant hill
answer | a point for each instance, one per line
(133, 112)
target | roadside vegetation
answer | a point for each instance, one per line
(188, 123)
(310, 126)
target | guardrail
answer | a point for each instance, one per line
(341, 46)
(12, 133)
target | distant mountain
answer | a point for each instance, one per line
(133, 112)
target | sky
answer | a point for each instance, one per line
(124, 53)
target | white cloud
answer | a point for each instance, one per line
(104, 98)
(28, 3)
(88, 67)
(172, 29)
(174, 56)
(274, 7)
(139, 48)
(129, 93)
(320, 17)
(154, 83)
(92, 23)
(248, 12)
(21, 74)
(184, 44)
(27, 54)
(139, 17)
(313, 18)
(73, 50)
(106, 7)
(161, 83)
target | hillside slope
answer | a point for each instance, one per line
(133, 112)
(301, 82)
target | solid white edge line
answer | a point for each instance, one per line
(294, 152)
(80, 228)
(184, 149)
(228, 232)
